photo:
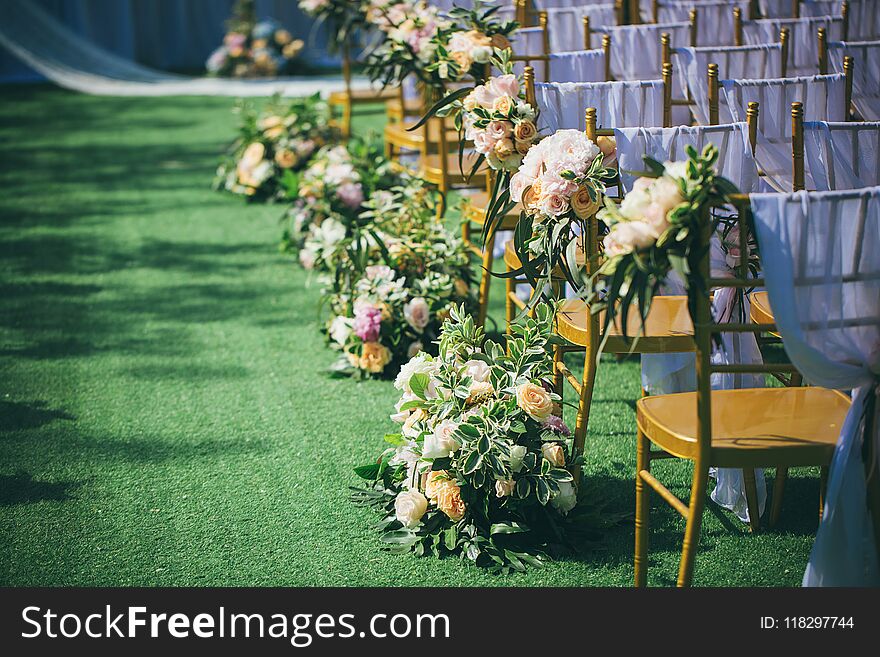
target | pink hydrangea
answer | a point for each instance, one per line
(351, 194)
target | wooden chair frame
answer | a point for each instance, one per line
(347, 99)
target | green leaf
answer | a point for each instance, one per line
(509, 527)
(369, 472)
(418, 383)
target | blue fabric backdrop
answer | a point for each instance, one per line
(164, 34)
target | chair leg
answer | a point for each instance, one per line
(778, 492)
(509, 307)
(584, 403)
(823, 489)
(694, 522)
(486, 276)
(751, 487)
(643, 510)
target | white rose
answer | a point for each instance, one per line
(340, 329)
(478, 370)
(421, 363)
(517, 453)
(628, 236)
(676, 169)
(416, 313)
(566, 499)
(409, 507)
(441, 443)
(401, 416)
(635, 204)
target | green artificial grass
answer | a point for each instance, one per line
(165, 418)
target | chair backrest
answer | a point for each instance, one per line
(619, 103)
(635, 52)
(735, 62)
(839, 155)
(569, 25)
(714, 18)
(579, 66)
(736, 161)
(778, 8)
(803, 49)
(865, 71)
(531, 45)
(862, 19)
(821, 97)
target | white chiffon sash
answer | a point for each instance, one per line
(735, 162)
(635, 49)
(578, 66)
(714, 18)
(566, 24)
(803, 45)
(866, 73)
(810, 244)
(823, 97)
(841, 155)
(618, 104)
(734, 63)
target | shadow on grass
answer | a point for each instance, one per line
(17, 416)
(22, 488)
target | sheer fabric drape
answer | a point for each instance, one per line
(823, 97)
(566, 25)
(821, 259)
(714, 18)
(803, 46)
(866, 73)
(843, 155)
(618, 104)
(635, 49)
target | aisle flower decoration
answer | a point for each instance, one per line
(660, 227)
(560, 183)
(419, 41)
(330, 198)
(342, 17)
(480, 466)
(253, 48)
(273, 144)
(395, 283)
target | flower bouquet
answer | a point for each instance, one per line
(395, 283)
(253, 49)
(481, 465)
(560, 184)
(272, 144)
(328, 199)
(660, 227)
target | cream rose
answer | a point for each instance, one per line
(522, 147)
(554, 453)
(566, 499)
(582, 204)
(503, 105)
(534, 400)
(504, 487)
(408, 428)
(285, 158)
(409, 507)
(525, 131)
(478, 370)
(504, 148)
(479, 392)
(441, 442)
(448, 500)
(417, 313)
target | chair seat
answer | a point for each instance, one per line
(362, 96)
(668, 327)
(753, 427)
(399, 135)
(432, 170)
(411, 107)
(475, 211)
(761, 312)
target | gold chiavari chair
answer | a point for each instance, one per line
(747, 428)
(527, 14)
(348, 98)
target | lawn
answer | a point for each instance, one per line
(165, 419)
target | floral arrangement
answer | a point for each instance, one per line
(342, 17)
(660, 226)
(436, 49)
(253, 49)
(481, 466)
(328, 200)
(395, 283)
(273, 144)
(560, 184)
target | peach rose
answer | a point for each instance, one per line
(503, 105)
(525, 131)
(448, 500)
(504, 148)
(462, 59)
(522, 147)
(583, 205)
(285, 158)
(532, 195)
(479, 392)
(374, 357)
(534, 400)
(554, 453)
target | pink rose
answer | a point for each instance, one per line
(497, 130)
(553, 205)
(504, 85)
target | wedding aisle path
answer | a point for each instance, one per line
(164, 416)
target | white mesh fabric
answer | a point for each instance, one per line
(811, 244)
(823, 98)
(803, 45)
(618, 104)
(866, 73)
(635, 49)
(566, 25)
(841, 156)
(734, 63)
(714, 18)
(735, 161)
